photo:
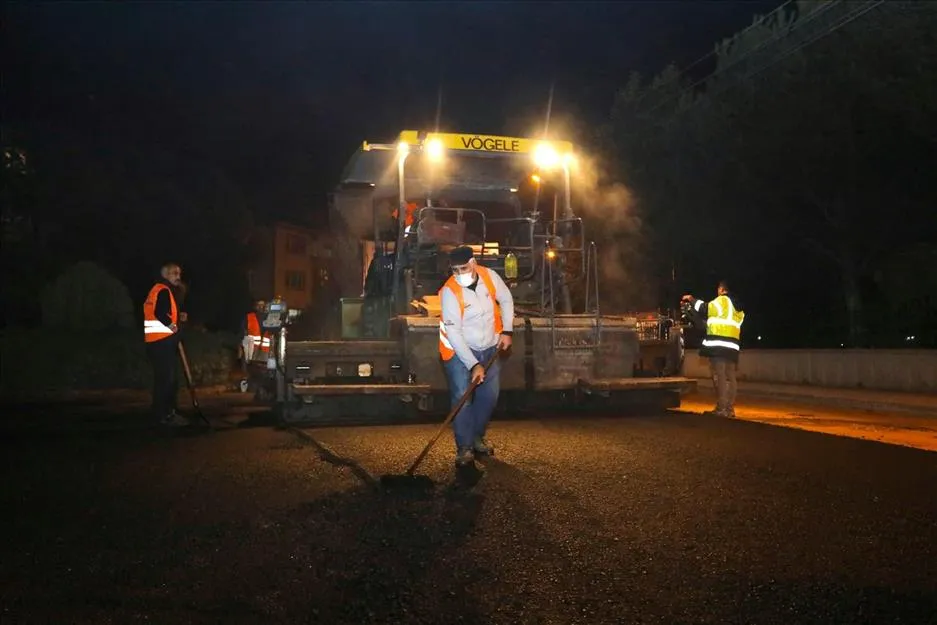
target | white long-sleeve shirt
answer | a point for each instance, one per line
(476, 328)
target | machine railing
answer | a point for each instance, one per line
(425, 217)
(430, 231)
(527, 249)
(552, 232)
(591, 272)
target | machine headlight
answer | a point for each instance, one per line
(545, 156)
(435, 149)
(364, 370)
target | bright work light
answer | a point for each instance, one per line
(435, 149)
(545, 156)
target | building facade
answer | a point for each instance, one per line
(292, 262)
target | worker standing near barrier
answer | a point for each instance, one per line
(721, 344)
(161, 319)
(477, 320)
(254, 340)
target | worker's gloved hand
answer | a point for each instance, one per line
(478, 374)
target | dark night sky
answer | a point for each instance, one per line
(279, 94)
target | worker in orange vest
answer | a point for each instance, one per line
(408, 218)
(477, 319)
(161, 318)
(255, 341)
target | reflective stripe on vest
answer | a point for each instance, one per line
(260, 340)
(723, 324)
(445, 347)
(154, 329)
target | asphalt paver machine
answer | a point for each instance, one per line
(397, 212)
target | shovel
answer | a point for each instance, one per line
(191, 385)
(423, 482)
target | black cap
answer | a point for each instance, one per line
(460, 255)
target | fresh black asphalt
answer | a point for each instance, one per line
(671, 518)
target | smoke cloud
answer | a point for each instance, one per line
(610, 212)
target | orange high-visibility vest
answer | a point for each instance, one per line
(445, 347)
(154, 329)
(261, 339)
(408, 219)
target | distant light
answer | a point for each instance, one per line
(435, 150)
(759, 337)
(513, 190)
(842, 345)
(551, 254)
(535, 179)
(403, 147)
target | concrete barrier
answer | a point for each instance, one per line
(909, 370)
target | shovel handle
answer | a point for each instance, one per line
(452, 413)
(185, 364)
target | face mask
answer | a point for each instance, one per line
(465, 279)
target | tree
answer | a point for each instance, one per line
(87, 298)
(777, 165)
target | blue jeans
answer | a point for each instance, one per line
(472, 420)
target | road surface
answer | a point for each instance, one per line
(874, 425)
(673, 518)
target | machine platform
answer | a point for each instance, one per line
(361, 389)
(683, 385)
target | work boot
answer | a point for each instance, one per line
(174, 419)
(483, 447)
(464, 457)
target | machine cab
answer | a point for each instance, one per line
(401, 207)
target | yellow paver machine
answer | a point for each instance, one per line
(397, 211)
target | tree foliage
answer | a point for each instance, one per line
(128, 206)
(87, 298)
(799, 169)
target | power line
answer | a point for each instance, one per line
(777, 37)
(849, 17)
(773, 39)
(712, 52)
(846, 20)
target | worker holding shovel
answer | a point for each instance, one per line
(477, 321)
(161, 319)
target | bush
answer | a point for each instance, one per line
(87, 298)
(43, 362)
